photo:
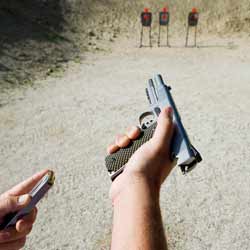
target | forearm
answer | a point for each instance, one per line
(137, 218)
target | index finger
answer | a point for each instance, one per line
(27, 185)
(133, 132)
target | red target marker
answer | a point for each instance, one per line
(165, 9)
(194, 10)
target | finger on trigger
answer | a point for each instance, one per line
(122, 141)
(133, 132)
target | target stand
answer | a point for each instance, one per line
(146, 22)
(193, 18)
(163, 23)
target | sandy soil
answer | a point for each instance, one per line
(38, 37)
(65, 124)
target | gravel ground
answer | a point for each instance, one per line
(65, 124)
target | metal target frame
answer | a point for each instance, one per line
(146, 23)
(193, 19)
(163, 23)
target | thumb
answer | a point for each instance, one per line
(12, 204)
(164, 130)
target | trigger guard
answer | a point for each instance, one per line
(143, 116)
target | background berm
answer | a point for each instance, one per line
(72, 76)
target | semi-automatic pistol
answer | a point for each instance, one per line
(182, 150)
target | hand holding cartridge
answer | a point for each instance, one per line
(18, 211)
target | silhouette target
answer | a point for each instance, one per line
(146, 19)
(193, 19)
(164, 18)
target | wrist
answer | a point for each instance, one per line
(135, 185)
(141, 178)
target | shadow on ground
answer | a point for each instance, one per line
(32, 35)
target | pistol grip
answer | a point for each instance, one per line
(116, 161)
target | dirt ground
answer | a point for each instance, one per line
(66, 122)
(38, 37)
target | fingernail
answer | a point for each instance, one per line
(22, 227)
(23, 199)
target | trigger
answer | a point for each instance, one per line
(157, 111)
(145, 123)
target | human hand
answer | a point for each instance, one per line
(12, 201)
(151, 163)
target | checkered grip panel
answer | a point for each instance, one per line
(118, 159)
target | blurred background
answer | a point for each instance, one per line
(38, 36)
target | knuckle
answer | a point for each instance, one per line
(10, 203)
(120, 140)
(133, 132)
